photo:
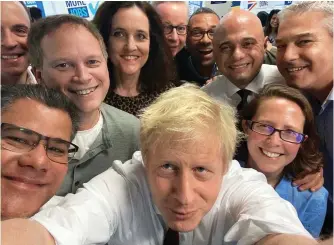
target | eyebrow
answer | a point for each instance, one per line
(20, 26)
(122, 29)
(286, 126)
(197, 27)
(242, 40)
(298, 36)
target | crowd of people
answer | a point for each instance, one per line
(149, 126)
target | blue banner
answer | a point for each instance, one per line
(38, 4)
(78, 8)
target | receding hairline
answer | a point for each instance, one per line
(19, 5)
(67, 25)
(194, 16)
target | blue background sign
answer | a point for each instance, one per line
(78, 8)
(38, 4)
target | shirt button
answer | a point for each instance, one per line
(77, 183)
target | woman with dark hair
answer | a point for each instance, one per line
(263, 16)
(282, 143)
(140, 63)
(272, 26)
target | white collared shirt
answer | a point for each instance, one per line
(30, 77)
(329, 98)
(116, 206)
(224, 90)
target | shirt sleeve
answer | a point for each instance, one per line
(258, 210)
(87, 217)
(315, 212)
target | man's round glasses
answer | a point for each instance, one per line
(22, 140)
(286, 135)
(198, 34)
(180, 29)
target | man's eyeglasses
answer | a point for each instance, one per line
(198, 34)
(22, 140)
(180, 29)
(286, 135)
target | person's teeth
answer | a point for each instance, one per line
(270, 154)
(85, 91)
(8, 57)
(130, 57)
(239, 66)
(295, 69)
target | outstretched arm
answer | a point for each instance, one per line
(25, 232)
(286, 239)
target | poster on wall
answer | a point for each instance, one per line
(257, 6)
(37, 4)
(84, 9)
(193, 6)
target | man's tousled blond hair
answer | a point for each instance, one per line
(186, 114)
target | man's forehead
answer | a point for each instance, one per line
(65, 43)
(16, 12)
(58, 121)
(173, 11)
(203, 19)
(294, 26)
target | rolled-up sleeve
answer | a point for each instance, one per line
(88, 217)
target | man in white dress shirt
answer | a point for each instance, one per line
(183, 183)
(239, 47)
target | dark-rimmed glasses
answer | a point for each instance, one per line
(22, 140)
(180, 29)
(198, 34)
(286, 135)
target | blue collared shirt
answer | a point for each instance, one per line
(310, 206)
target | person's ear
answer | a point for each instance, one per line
(265, 44)
(38, 75)
(244, 126)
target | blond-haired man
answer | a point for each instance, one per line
(182, 188)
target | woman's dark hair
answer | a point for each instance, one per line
(308, 157)
(159, 69)
(268, 28)
(263, 16)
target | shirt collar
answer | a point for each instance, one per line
(254, 86)
(326, 102)
(213, 73)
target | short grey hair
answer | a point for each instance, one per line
(52, 98)
(325, 7)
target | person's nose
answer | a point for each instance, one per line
(82, 74)
(36, 158)
(173, 36)
(206, 40)
(184, 188)
(290, 53)
(274, 139)
(8, 39)
(131, 44)
(238, 53)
